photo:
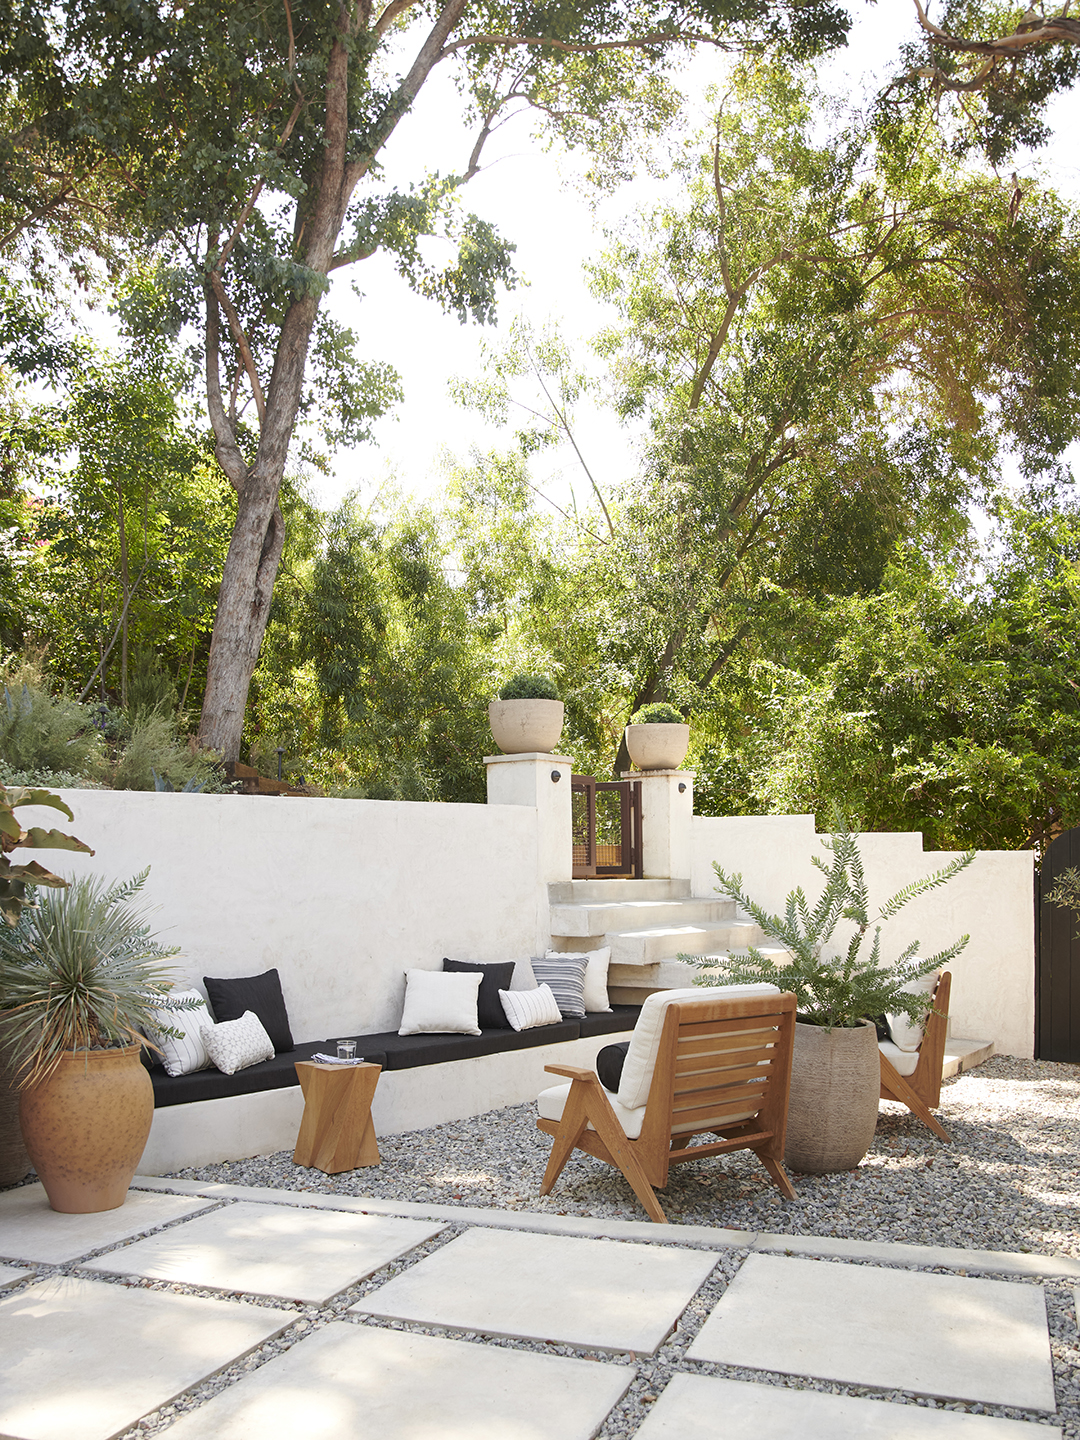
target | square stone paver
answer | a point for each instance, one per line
(83, 1360)
(354, 1382)
(943, 1335)
(30, 1230)
(304, 1255)
(9, 1275)
(602, 1294)
(694, 1407)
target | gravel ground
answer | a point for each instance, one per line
(1009, 1181)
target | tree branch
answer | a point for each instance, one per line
(633, 42)
(237, 331)
(225, 446)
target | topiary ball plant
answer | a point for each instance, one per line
(529, 687)
(658, 714)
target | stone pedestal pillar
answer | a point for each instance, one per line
(667, 812)
(542, 781)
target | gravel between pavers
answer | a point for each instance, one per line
(1010, 1180)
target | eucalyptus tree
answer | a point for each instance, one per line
(832, 348)
(249, 141)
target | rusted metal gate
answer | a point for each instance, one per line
(1057, 958)
(607, 827)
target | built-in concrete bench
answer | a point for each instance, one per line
(206, 1117)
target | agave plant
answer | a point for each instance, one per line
(835, 986)
(81, 970)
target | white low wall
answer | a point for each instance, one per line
(993, 993)
(342, 896)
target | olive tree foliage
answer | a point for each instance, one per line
(246, 140)
(831, 348)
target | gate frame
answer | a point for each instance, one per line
(629, 826)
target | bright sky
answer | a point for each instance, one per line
(524, 192)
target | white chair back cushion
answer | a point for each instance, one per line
(645, 1042)
(905, 1034)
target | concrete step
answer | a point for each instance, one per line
(964, 1055)
(633, 986)
(665, 942)
(613, 917)
(584, 892)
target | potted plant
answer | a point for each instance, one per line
(14, 1160)
(657, 738)
(527, 717)
(81, 974)
(836, 1077)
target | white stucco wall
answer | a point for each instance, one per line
(342, 896)
(993, 994)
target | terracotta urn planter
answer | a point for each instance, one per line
(86, 1127)
(835, 1087)
(657, 747)
(14, 1160)
(523, 726)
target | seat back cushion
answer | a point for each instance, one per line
(489, 1011)
(231, 998)
(645, 1042)
(905, 1034)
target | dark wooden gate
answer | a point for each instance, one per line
(607, 827)
(1057, 958)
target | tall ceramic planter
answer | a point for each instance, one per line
(835, 1087)
(657, 747)
(14, 1160)
(523, 726)
(86, 1127)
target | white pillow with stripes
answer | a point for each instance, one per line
(527, 1009)
(596, 968)
(187, 1054)
(566, 976)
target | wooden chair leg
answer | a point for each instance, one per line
(779, 1176)
(900, 1090)
(622, 1153)
(571, 1127)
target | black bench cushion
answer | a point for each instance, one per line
(275, 1074)
(622, 1017)
(405, 1052)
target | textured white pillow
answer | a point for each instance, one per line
(441, 1002)
(235, 1044)
(523, 977)
(596, 968)
(188, 1054)
(527, 1009)
(906, 1034)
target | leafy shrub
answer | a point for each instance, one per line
(155, 753)
(43, 733)
(529, 687)
(658, 714)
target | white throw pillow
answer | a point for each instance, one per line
(645, 1041)
(441, 1002)
(907, 1034)
(527, 1009)
(596, 968)
(187, 1054)
(523, 977)
(235, 1044)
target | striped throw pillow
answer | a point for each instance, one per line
(528, 1009)
(566, 976)
(185, 1053)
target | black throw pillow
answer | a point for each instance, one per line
(260, 993)
(490, 1014)
(609, 1063)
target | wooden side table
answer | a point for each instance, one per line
(337, 1132)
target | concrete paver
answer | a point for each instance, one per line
(307, 1255)
(699, 1407)
(952, 1337)
(352, 1382)
(83, 1360)
(10, 1275)
(31, 1230)
(592, 1293)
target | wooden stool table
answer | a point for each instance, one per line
(337, 1132)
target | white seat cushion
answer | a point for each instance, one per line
(908, 1034)
(550, 1104)
(904, 1062)
(645, 1041)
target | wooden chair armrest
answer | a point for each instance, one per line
(573, 1072)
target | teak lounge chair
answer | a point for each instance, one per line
(714, 1061)
(920, 1087)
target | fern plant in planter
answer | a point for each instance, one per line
(840, 990)
(527, 717)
